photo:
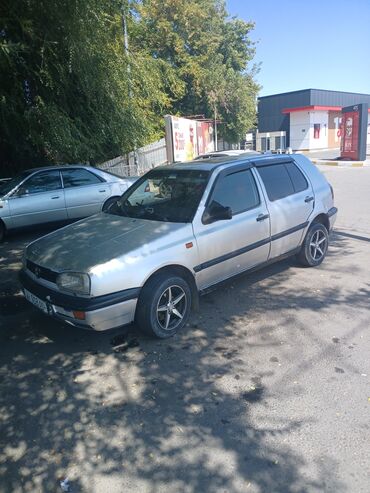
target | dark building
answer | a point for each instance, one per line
(310, 117)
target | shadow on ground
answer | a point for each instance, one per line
(174, 414)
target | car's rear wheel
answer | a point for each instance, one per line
(108, 203)
(315, 246)
(164, 305)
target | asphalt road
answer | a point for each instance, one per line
(266, 391)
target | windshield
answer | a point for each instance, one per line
(163, 195)
(7, 186)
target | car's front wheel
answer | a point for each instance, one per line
(315, 246)
(164, 305)
(2, 231)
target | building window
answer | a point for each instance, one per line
(316, 130)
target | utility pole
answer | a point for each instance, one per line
(125, 42)
(215, 116)
(125, 38)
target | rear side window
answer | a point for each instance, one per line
(297, 177)
(79, 178)
(237, 190)
(277, 181)
(282, 180)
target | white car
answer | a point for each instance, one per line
(57, 194)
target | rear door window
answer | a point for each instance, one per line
(79, 178)
(297, 177)
(277, 181)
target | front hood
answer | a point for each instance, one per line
(98, 239)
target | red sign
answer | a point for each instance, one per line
(205, 137)
(349, 132)
(353, 131)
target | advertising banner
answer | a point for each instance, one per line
(205, 140)
(186, 139)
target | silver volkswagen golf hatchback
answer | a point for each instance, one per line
(177, 232)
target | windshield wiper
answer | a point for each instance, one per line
(150, 214)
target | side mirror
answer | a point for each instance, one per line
(215, 213)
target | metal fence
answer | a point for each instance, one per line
(139, 162)
(222, 145)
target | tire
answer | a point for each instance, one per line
(315, 246)
(2, 231)
(108, 203)
(154, 315)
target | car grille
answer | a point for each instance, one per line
(42, 272)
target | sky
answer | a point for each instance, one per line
(301, 44)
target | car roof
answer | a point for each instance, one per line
(212, 163)
(206, 165)
(231, 152)
(59, 167)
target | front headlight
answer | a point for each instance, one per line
(74, 282)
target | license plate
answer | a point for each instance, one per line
(40, 304)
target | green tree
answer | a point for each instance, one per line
(65, 93)
(210, 53)
(70, 92)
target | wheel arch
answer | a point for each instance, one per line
(109, 199)
(3, 230)
(322, 219)
(183, 272)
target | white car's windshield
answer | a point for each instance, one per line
(164, 195)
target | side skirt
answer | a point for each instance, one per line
(215, 286)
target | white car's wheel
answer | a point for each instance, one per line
(108, 203)
(2, 231)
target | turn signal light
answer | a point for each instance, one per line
(79, 315)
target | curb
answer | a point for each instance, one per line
(347, 164)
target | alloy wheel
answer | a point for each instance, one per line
(171, 307)
(318, 245)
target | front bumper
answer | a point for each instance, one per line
(100, 313)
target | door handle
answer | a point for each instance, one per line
(56, 197)
(308, 199)
(262, 217)
(101, 191)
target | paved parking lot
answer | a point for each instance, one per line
(266, 391)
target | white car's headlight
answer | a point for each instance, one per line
(74, 282)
